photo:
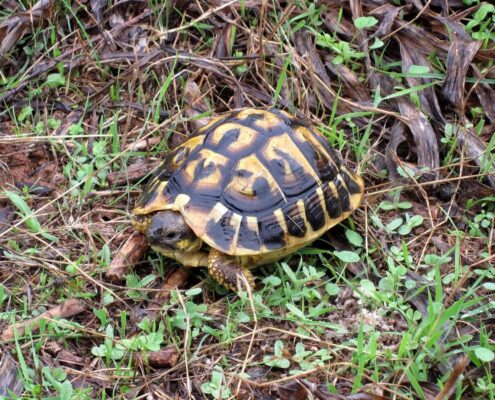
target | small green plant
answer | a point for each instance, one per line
(216, 387)
(347, 256)
(3, 295)
(109, 349)
(135, 284)
(84, 163)
(396, 204)
(481, 222)
(399, 225)
(481, 25)
(56, 378)
(435, 260)
(114, 349)
(27, 214)
(309, 359)
(277, 359)
(193, 316)
(242, 68)
(365, 22)
(345, 53)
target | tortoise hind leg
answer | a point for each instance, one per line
(226, 270)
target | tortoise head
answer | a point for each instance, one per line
(167, 231)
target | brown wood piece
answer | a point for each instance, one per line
(450, 384)
(67, 309)
(167, 357)
(176, 279)
(129, 254)
(133, 173)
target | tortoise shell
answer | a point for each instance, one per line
(253, 182)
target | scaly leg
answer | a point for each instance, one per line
(226, 270)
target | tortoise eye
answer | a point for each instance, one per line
(171, 235)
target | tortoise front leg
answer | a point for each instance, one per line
(226, 270)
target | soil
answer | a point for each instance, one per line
(31, 166)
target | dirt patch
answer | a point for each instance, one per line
(30, 165)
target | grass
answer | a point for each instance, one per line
(397, 302)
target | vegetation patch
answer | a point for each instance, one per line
(396, 302)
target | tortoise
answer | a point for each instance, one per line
(249, 188)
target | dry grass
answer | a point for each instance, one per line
(93, 94)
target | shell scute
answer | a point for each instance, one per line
(252, 188)
(248, 237)
(314, 207)
(272, 233)
(224, 231)
(295, 219)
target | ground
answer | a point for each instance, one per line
(397, 302)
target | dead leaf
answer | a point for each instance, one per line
(476, 150)
(319, 78)
(486, 95)
(222, 41)
(236, 5)
(175, 279)
(293, 390)
(422, 40)
(460, 56)
(397, 136)
(16, 26)
(342, 26)
(196, 105)
(97, 6)
(355, 89)
(387, 13)
(449, 4)
(424, 137)
(448, 25)
(9, 381)
(6, 217)
(428, 98)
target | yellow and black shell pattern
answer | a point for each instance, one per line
(253, 182)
